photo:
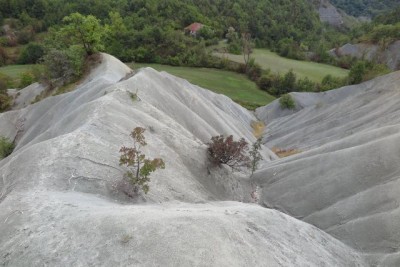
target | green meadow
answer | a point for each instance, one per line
(270, 60)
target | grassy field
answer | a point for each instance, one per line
(234, 85)
(14, 71)
(269, 60)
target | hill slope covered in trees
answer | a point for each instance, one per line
(147, 30)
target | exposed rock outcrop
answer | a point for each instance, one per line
(329, 14)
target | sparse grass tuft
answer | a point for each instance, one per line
(258, 128)
(134, 96)
(283, 153)
(125, 238)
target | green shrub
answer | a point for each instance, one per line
(265, 82)
(365, 70)
(6, 82)
(26, 78)
(5, 100)
(290, 49)
(25, 35)
(31, 54)
(134, 96)
(6, 147)
(65, 65)
(234, 48)
(3, 56)
(255, 155)
(286, 101)
(357, 72)
(383, 33)
(329, 82)
(305, 85)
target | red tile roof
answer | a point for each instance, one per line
(194, 27)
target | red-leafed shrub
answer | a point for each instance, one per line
(223, 150)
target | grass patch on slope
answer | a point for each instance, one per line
(236, 86)
(14, 71)
(270, 60)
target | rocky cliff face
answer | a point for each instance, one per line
(334, 16)
(59, 205)
(328, 13)
(346, 180)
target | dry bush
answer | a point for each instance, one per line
(223, 150)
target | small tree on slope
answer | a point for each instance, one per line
(255, 156)
(140, 166)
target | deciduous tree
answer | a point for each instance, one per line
(84, 30)
(139, 166)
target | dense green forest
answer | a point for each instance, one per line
(151, 30)
(369, 8)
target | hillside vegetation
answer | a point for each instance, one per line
(383, 30)
(152, 31)
(15, 71)
(270, 60)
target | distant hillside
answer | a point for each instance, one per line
(368, 8)
(330, 14)
(267, 20)
(327, 12)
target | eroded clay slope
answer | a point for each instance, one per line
(59, 205)
(347, 179)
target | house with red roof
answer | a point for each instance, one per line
(193, 28)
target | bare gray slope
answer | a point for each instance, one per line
(26, 96)
(389, 56)
(347, 180)
(59, 206)
(329, 14)
(72, 229)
